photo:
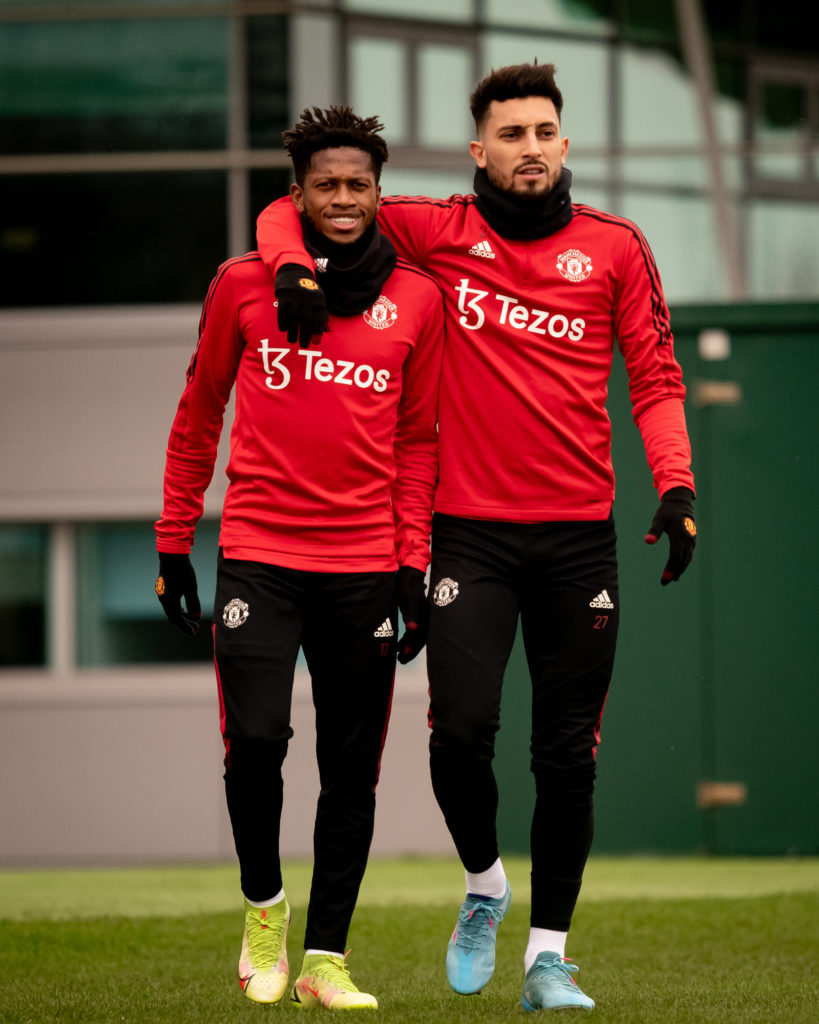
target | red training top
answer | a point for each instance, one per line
(333, 450)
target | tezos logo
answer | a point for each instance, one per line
(446, 590)
(381, 314)
(574, 265)
(235, 613)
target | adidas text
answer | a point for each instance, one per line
(385, 629)
(483, 249)
(602, 600)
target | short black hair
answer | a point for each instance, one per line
(515, 82)
(326, 129)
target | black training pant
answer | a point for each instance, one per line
(560, 579)
(345, 623)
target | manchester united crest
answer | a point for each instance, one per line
(574, 265)
(235, 613)
(446, 590)
(381, 314)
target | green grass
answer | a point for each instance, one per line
(659, 941)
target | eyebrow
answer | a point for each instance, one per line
(518, 124)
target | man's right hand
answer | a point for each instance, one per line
(302, 308)
(176, 580)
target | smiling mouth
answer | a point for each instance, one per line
(532, 170)
(343, 221)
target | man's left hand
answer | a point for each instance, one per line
(675, 516)
(412, 603)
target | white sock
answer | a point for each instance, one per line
(268, 903)
(322, 952)
(543, 940)
(491, 882)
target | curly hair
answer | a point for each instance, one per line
(515, 82)
(325, 129)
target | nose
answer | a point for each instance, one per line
(344, 196)
(531, 144)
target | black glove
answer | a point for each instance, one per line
(177, 580)
(675, 516)
(412, 603)
(301, 305)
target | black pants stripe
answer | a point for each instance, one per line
(263, 615)
(559, 580)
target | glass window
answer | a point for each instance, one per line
(79, 239)
(590, 187)
(119, 619)
(681, 233)
(113, 85)
(661, 108)
(439, 184)
(445, 81)
(267, 82)
(110, 3)
(23, 551)
(265, 186)
(782, 249)
(378, 71)
(659, 100)
(567, 15)
(452, 10)
(582, 76)
(780, 127)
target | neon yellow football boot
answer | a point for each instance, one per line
(325, 982)
(263, 968)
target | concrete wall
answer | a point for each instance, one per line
(126, 766)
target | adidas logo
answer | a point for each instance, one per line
(321, 263)
(482, 249)
(602, 600)
(385, 629)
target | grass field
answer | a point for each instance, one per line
(658, 941)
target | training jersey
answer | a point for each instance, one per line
(531, 330)
(333, 448)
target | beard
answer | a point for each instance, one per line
(534, 192)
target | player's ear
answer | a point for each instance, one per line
(297, 195)
(478, 154)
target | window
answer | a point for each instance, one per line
(444, 85)
(88, 239)
(417, 80)
(453, 10)
(119, 619)
(23, 552)
(377, 84)
(113, 85)
(785, 122)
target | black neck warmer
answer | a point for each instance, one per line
(516, 217)
(354, 273)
